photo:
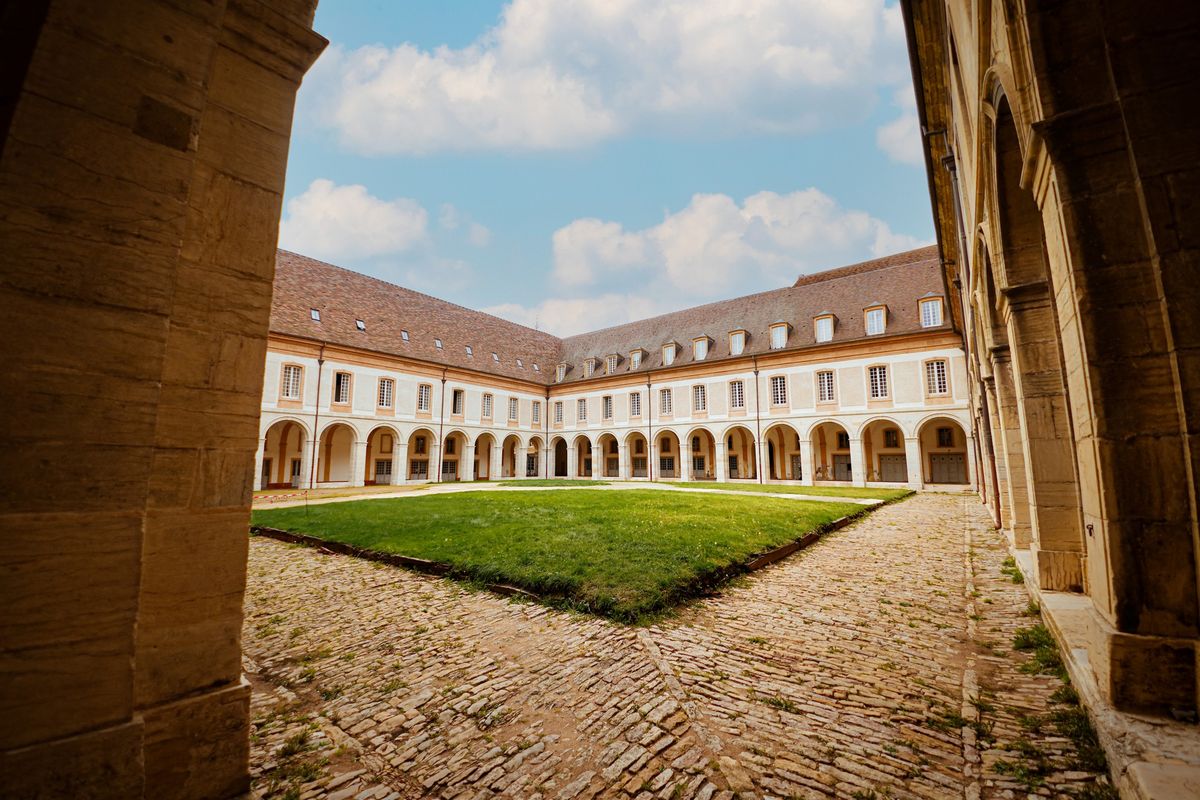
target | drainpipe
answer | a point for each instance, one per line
(312, 468)
(757, 426)
(441, 428)
(649, 431)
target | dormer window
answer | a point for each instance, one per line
(931, 312)
(668, 353)
(611, 363)
(470, 350)
(823, 327)
(737, 342)
(779, 335)
(358, 323)
(876, 319)
(589, 366)
(635, 359)
(315, 314)
(700, 348)
(560, 372)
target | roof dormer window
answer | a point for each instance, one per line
(668, 354)
(560, 372)
(700, 348)
(589, 366)
(875, 317)
(315, 314)
(779, 335)
(823, 328)
(611, 363)
(737, 342)
(931, 312)
(635, 359)
(358, 323)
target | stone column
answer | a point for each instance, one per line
(400, 464)
(466, 463)
(999, 457)
(652, 460)
(761, 453)
(623, 468)
(806, 462)
(1013, 448)
(258, 464)
(972, 463)
(572, 462)
(496, 466)
(358, 463)
(306, 470)
(858, 462)
(914, 462)
(721, 468)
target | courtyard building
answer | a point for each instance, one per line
(852, 376)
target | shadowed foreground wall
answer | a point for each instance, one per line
(144, 145)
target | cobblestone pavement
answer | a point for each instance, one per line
(878, 663)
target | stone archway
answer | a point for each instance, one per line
(607, 457)
(638, 455)
(944, 457)
(484, 444)
(669, 464)
(700, 462)
(283, 456)
(832, 458)
(584, 463)
(382, 449)
(884, 452)
(561, 456)
(784, 457)
(335, 454)
(741, 454)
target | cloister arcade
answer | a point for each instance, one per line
(915, 452)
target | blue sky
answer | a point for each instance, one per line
(579, 163)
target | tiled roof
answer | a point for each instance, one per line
(342, 297)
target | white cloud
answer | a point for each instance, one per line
(478, 235)
(901, 138)
(555, 74)
(347, 222)
(712, 249)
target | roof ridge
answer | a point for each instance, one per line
(909, 257)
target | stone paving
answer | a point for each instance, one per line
(875, 664)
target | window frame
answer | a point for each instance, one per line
(699, 398)
(536, 412)
(930, 389)
(669, 347)
(581, 409)
(458, 402)
(779, 399)
(817, 325)
(390, 383)
(635, 399)
(514, 409)
(737, 335)
(934, 302)
(560, 373)
(610, 363)
(700, 342)
(606, 407)
(487, 405)
(666, 402)
(635, 359)
(589, 367)
(886, 382)
(776, 328)
(333, 399)
(283, 370)
(428, 393)
(832, 398)
(558, 412)
(875, 312)
(737, 395)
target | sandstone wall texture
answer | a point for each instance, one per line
(144, 144)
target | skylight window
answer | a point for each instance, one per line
(520, 363)
(470, 352)
(536, 368)
(316, 315)
(437, 343)
(495, 358)
(358, 323)
(404, 335)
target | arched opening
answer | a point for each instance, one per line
(638, 455)
(335, 454)
(454, 450)
(533, 457)
(885, 459)
(509, 457)
(381, 453)
(669, 457)
(484, 445)
(609, 456)
(784, 459)
(421, 445)
(831, 453)
(741, 457)
(560, 457)
(701, 455)
(943, 452)
(583, 457)
(283, 456)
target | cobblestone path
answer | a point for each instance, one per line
(877, 663)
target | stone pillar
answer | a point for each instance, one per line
(496, 465)
(721, 468)
(258, 464)
(761, 454)
(400, 464)
(806, 462)
(466, 463)
(572, 462)
(358, 463)
(914, 462)
(972, 462)
(1050, 446)
(1013, 448)
(858, 462)
(306, 460)
(1000, 459)
(652, 460)
(623, 469)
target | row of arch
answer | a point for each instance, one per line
(828, 450)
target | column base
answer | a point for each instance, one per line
(1058, 570)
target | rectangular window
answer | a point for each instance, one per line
(878, 379)
(824, 329)
(891, 438)
(666, 466)
(737, 394)
(935, 378)
(635, 404)
(612, 364)
(404, 335)
(699, 398)
(341, 387)
(558, 412)
(457, 401)
(825, 386)
(737, 343)
(778, 337)
(581, 410)
(607, 406)
(537, 411)
(424, 396)
(945, 437)
(513, 408)
(843, 440)
(291, 382)
(386, 388)
(437, 343)
(875, 321)
(700, 349)
(560, 372)
(487, 406)
(635, 359)
(450, 446)
(778, 390)
(419, 446)
(668, 354)
(664, 401)
(931, 313)
(589, 367)
(470, 351)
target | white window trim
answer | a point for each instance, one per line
(775, 331)
(391, 392)
(875, 312)
(635, 404)
(284, 394)
(697, 346)
(666, 403)
(817, 328)
(886, 383)
(424, 392)
(536, 412)
(606, 407)
(778, 398)
(832, 386)
(699, 397)
(349, 388)
(735, 336)
(931, 389)
(558, 412)
(737, 394)
(668, 349)
(935, 302)
(581, 409)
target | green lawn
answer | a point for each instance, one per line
(623, 555)
(821, 491)
(577, 482)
